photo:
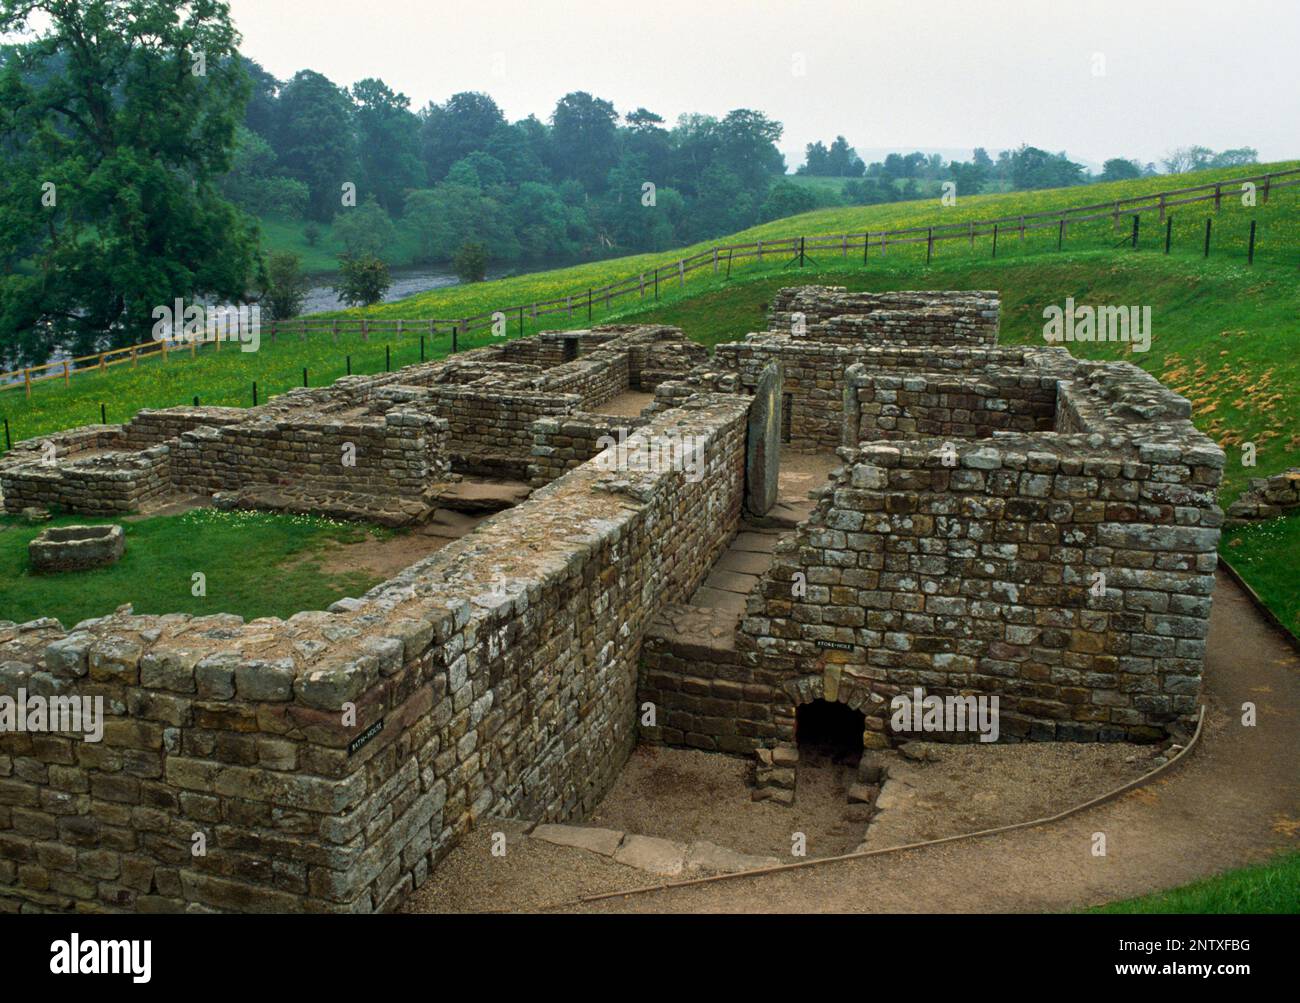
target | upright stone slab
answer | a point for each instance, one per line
(763, 448)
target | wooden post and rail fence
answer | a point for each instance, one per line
(795, 249)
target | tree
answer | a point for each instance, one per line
(388, 143)
(1236, 158)
(747, 148)
(452, 131)
(816, 160)
(843, 161)
(1119, 169)
(365, 230)
(471, 261)
(786, 199)
(253, 185)
(314, 139)
(363, 280)
(1182, 159)
(584, 139)
(1034, 168)
(285, 286)
(106, 105)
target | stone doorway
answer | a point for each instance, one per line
(829, 732)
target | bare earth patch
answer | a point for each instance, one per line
(628, 404)
(687, 795)
(973, 787)
(383, 557)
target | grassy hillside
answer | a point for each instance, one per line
(1223, 333)
(323, 256)
(1278, 238)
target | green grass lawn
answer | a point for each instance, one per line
(1272, 887)
(1264, 554)
(255, 564)
(280, 235)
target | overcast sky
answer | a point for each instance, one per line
(1099, 78)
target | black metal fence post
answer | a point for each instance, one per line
(304, 376)
(196, 401)
(103, 414)
(929, 244)
(589, 304)
(1136, 220)
(1060, 234)
(454, 336)
(255, 393)
(801, 255)
(995, 240)
(1250, 248)
(1208, 222)
(349, 360)
(1169, 232)
(388, 358)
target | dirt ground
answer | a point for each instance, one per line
(802, 472)
(687, 795)
(972, 787)
(1234, 801)
(628, 404)
(385, 556)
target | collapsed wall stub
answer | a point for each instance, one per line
(1008, 522)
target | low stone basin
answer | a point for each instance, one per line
(76, 548)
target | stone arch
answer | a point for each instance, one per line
(833, 686)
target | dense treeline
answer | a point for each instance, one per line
(586, 182)
(139, 148)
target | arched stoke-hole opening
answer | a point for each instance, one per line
(829, 730)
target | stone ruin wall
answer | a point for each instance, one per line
(501, 675)
(831, 315)
(502, 670)
(472, 413)
(974, 578)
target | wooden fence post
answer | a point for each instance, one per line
(67, 366)
(1218, 197)
(27, 380)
